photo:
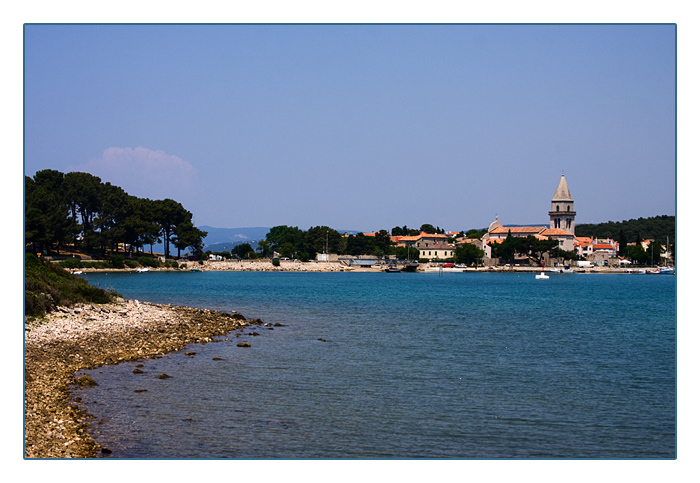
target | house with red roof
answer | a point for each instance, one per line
(422, 240)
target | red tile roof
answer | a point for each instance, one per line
(422, 235)
(468, 240)
(518, 229)
(555, 232)
(442, 246)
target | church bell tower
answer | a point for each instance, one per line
(562, 214)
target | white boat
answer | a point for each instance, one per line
(542, 276)
(565, 269)
(78, 272)
(667, 270)
(140, 270)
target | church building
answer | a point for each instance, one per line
(561, 223)
(563, 214)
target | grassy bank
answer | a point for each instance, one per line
(47, 286)
(118, 262)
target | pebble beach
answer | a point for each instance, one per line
(69, 340)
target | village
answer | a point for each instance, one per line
(437, 251)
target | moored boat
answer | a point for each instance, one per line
(410, 267)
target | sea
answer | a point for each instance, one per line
(401, 366)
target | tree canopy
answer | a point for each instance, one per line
(78, 208)
(657, 228)
(530, 246)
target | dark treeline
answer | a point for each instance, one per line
(656, 228)
(78, 209)
(292, 242)
(630, 234)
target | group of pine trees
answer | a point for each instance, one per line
(80, 210)
(292, 242)
(530, 247)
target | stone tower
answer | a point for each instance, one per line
(562, 214)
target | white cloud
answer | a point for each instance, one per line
(143, 172)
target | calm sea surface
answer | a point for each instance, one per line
(411, 366)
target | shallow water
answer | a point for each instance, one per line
(410, 366)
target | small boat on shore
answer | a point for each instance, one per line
(392, 270)
(141, 270)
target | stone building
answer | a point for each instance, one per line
(561, 223)
(563, 214)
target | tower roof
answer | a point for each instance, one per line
(562, 193)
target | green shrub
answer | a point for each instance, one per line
(115, 261)
(149, 262)
(131, 263)
(96, 265)
(47, 285)
(275, 262)
(71, 263)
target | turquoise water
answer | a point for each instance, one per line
(410, 366)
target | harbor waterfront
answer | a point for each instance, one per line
(376, 365)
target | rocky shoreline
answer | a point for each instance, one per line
(69, 340)
(265, 265)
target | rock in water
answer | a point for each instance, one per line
(85, 381)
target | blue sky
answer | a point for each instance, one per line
(361, 127)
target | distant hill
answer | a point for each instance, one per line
(224, 239)
(224, 235)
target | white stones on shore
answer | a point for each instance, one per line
(71, 339)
